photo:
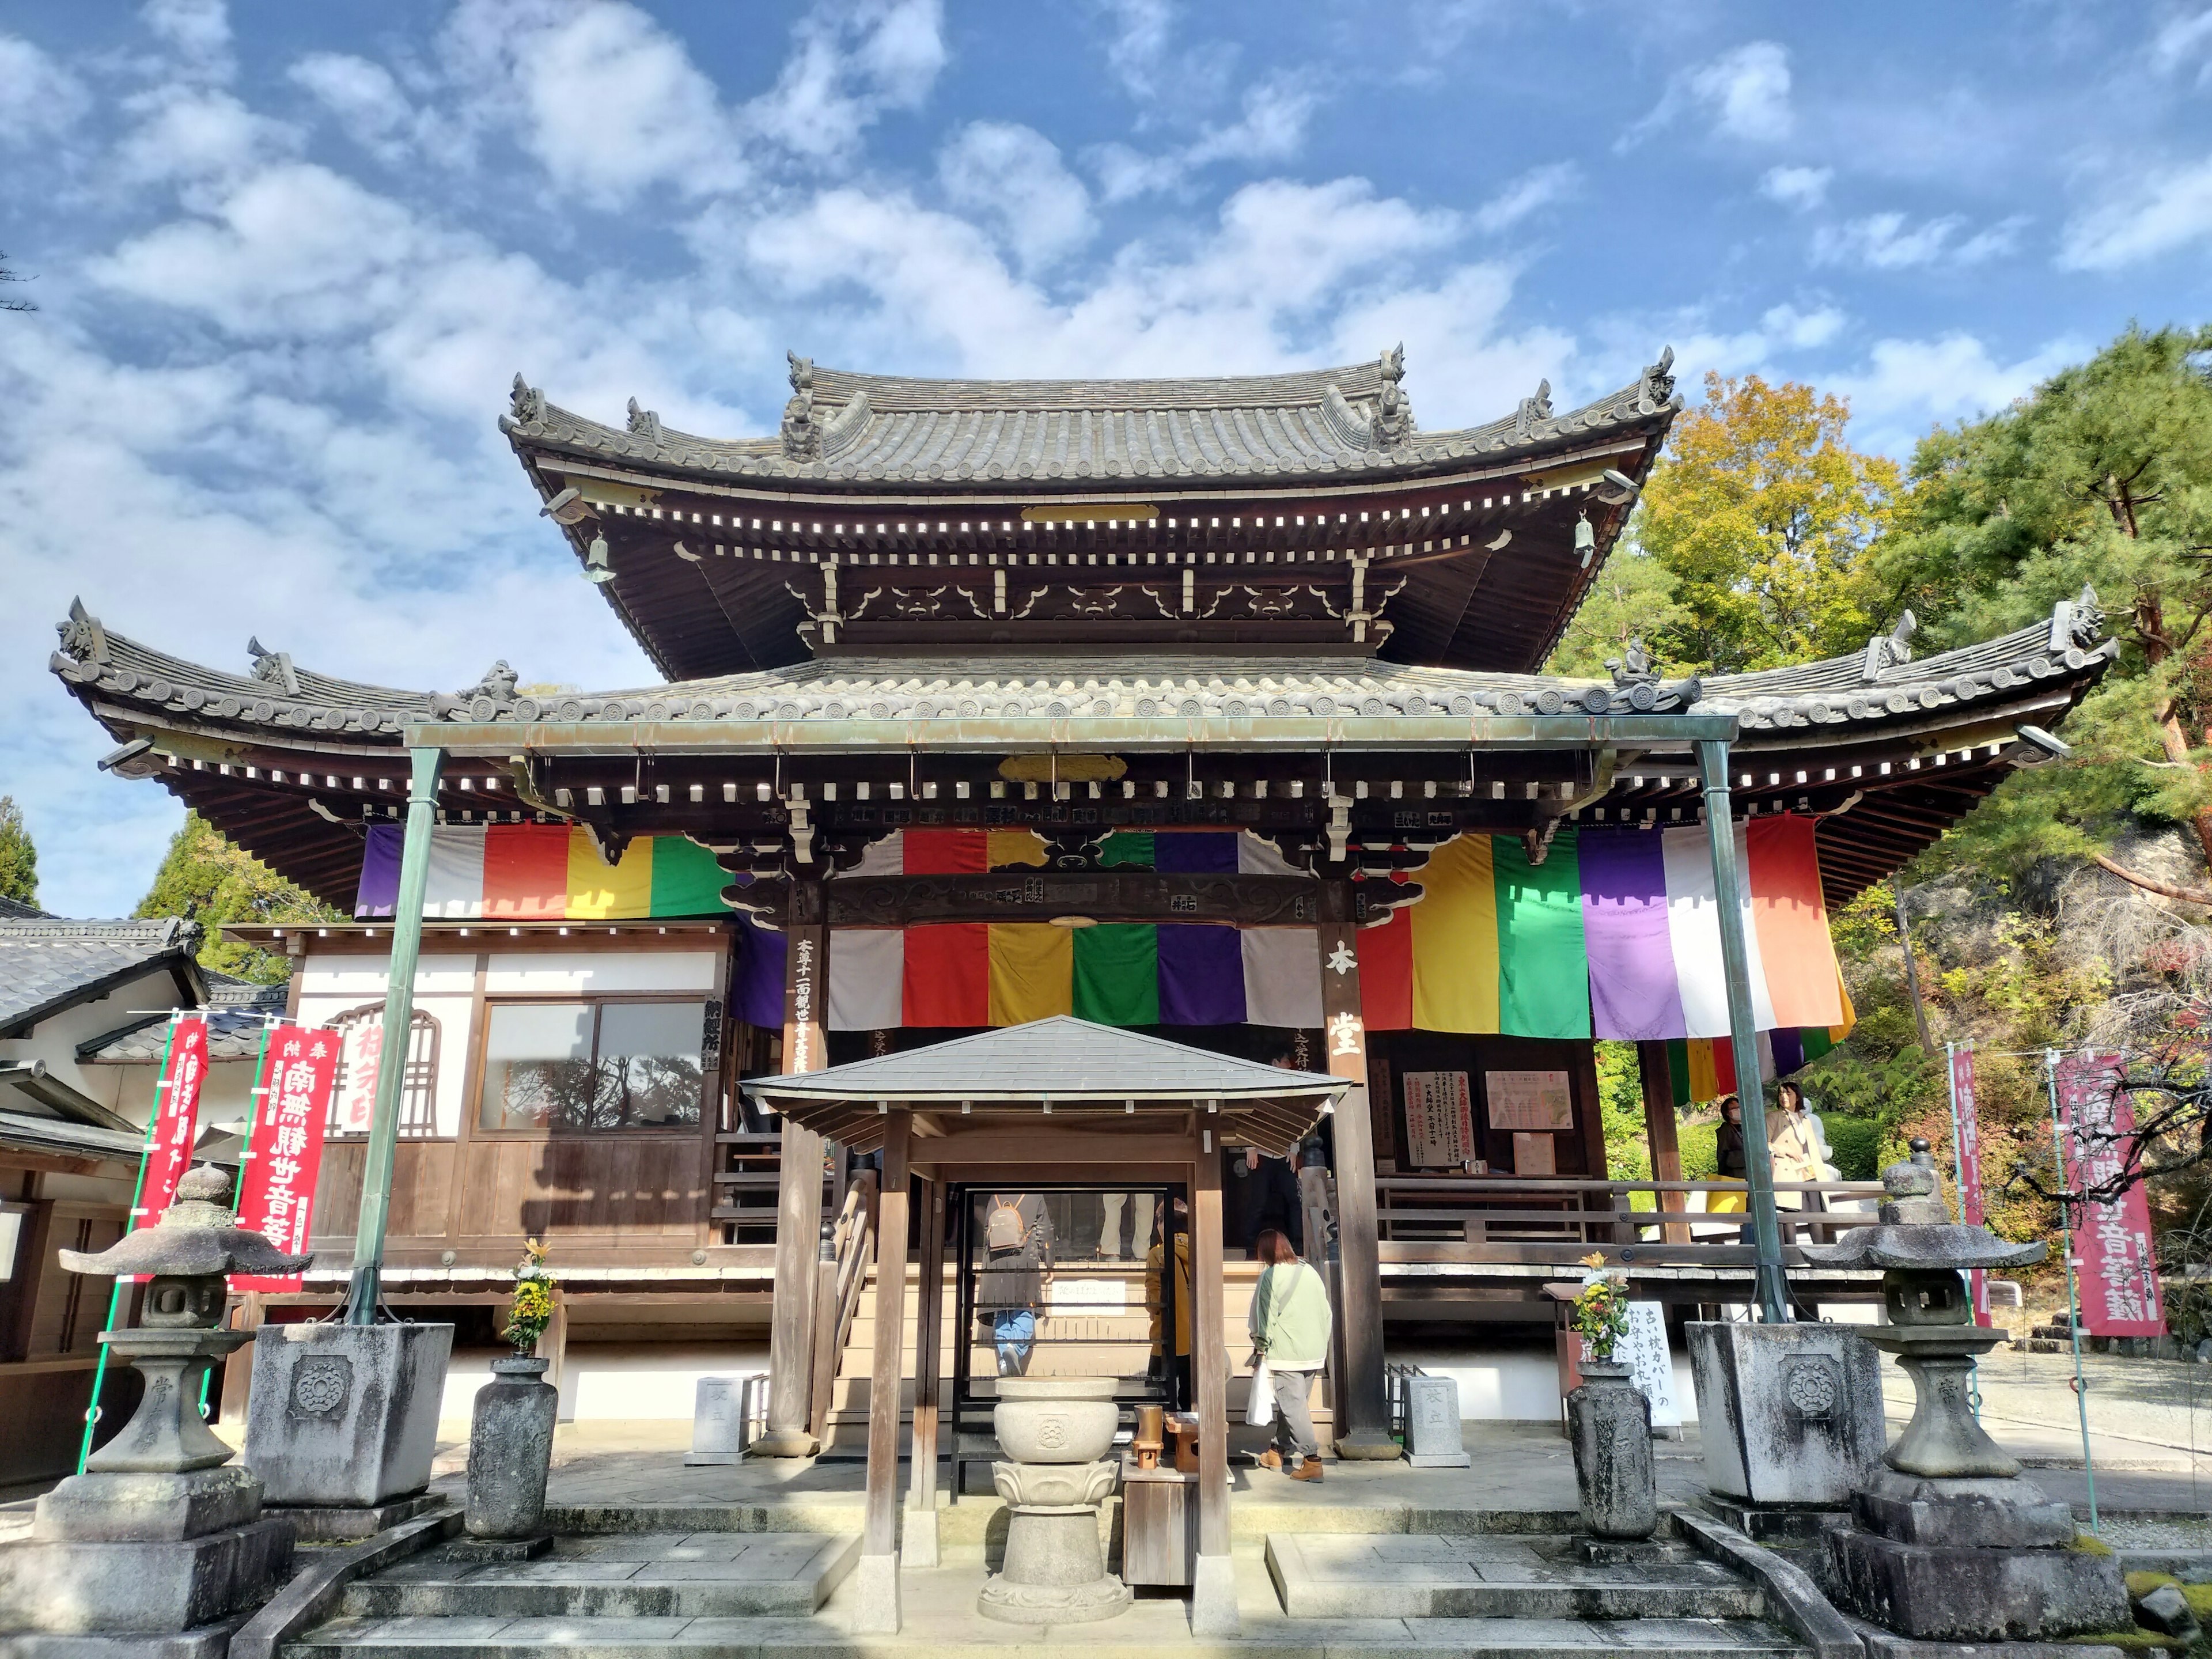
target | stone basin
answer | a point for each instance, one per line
(1056, 1420)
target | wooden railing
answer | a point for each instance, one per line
(748, 1167)
(1511, 1215)
(837, 1293)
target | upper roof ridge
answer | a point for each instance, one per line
(902, 393)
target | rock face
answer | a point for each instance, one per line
(161, 1537)
(1950, 1544)
(1610, 1422)
(510, 1450)
(1059, 1429)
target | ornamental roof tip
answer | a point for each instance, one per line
(839, 425)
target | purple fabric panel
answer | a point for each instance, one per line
(379, 893)
(1633, 994)
(756, 988)
(1194, 853)
(1202, 970)
(1789, 1050)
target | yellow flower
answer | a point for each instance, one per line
(1595, 1260)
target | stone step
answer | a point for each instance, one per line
(1414, 1576)
(411, 1637)
(683, 1576)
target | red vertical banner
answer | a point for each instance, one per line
(2111, 1239)
(1970, 1169)
(176, 1120)
(276, 1192)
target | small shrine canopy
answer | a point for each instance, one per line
(1079, 1074)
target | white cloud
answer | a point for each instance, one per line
(39, 99)
(186, 134)
(1011, 177)
(1139, 40)
(1888, 241)
(1796, 187)
(1782, 332)
(854, 62)
(2163, 211)
(1906, 387)
(1744, 93)
(1273, 128)
(1538, 188)
(1462, 367)
(2183, 40)
(198, 30)
(371, 110)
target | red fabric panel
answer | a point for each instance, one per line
(1792, 919)
(947, 853)
(1386, 973)
(1724, 1063)
(948, 971)
(526, 870)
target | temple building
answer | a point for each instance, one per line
(1210, 708)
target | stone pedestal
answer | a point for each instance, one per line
(345, 1416)
(1791, 1414)
(1609, 1421)
(510, 1453)
(1060, 1429)
(719, 1410)
(1432, 1423)
(1950, 1544)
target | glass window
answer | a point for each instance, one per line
(587, 1065)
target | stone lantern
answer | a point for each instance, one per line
(1949, 1543)
(161, 1540)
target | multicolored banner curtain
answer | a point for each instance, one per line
(543, 872)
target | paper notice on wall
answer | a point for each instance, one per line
(1644, 1352)
(1529, 1100)
(1076, 1295)
(1439, 1120)
(1534, 1155)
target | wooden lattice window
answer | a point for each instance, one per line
(418, 1084)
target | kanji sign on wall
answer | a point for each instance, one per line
(276, 1194)
(2111, 1239)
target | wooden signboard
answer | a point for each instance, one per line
(1538, 1101)
(1439, 1120)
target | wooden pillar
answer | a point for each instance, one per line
(799, 1189)
(1363, 1407)
(876, 1611)
(1659, 1135)
(238, 1370)
(1214, 1584)
(920, 1548)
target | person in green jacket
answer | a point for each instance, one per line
(1289, 1327)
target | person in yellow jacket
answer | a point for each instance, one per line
(1173, 1369)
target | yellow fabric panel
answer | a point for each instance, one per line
(1015, 846)
(1838, 1033)
(1705, 1076)
(1455, 939)
(597, 893)
(1032, 971)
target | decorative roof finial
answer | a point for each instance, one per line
(801, 431)
(1656, 386)
(272, 667)
(1393, 416)
(644, 423)
(82, 635)
(1533, 410)
(526, 405)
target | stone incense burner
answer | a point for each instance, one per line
(1058, 1430)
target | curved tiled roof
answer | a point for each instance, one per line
(1836, 691)
(849, 428)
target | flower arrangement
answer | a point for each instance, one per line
(1601, 1316)
(531, 1311)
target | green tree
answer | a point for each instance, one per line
(19, 858)
(1762, 516)
(1633, 598)
(204, 878)
(2102, 477)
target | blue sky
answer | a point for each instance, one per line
(287, 259)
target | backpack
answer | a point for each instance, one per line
(1003, 1229)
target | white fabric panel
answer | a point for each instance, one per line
(867, 979)
(1695, 930)
(887, 857)
(456, 859)
(1282, 976)
(622, 969)
(1258, 857)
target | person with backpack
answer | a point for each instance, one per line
(1018, 1241)
(1290, 1323)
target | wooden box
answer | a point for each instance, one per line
(1160, 1525)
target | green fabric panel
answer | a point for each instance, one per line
(1817, 1041)
(1678, 1071)
(686, 880)
(1133, 847)
(1117, 974)
(1543, 967)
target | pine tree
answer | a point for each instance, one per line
(19, 858)
(204, 878)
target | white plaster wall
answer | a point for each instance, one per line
(128, 1089)
(604, 1381)
(359, 979)
(1519, 1385)
(538, 973)
(456, 1039)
